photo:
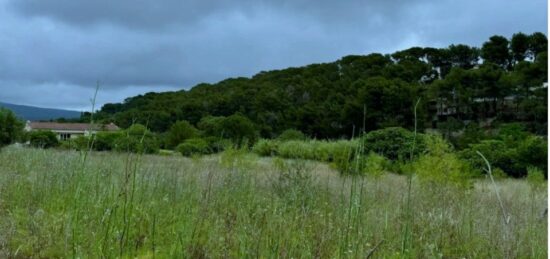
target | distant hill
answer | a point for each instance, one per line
(33, 113)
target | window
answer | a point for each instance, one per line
(64, 136)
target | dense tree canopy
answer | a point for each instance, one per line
(501, 80)
(10, 127)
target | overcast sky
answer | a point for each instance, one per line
(52, 52)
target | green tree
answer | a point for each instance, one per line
(519, 46)
(239, 128)
(291, 134)
(463, 56)
(538, 43)
(496, 51)
(180, 131)
(10, 127)
(137, 139)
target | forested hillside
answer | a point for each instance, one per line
(501, 81)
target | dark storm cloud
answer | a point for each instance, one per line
(53, 52)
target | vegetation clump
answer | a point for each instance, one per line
(10, 127)
(43, 139)
(193, 146)
(137, 139)
(394, 143)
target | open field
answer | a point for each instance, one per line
(235, 205)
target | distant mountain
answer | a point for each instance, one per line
(33, 113)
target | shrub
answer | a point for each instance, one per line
(216, 144)
(291, 134)
(10, 127)
(43, 139)
(440, 166)
(393, 143)
(194, 146)
(137, 139)
(179, 132)
(238, 128)
(80, 143)
(265, 147)
(293, 149)
(535, 178)
(533, 151)
(346, 160)
(376, 165)
(512, 156)
(319, 150)
(212, 126)
(147, 145)
(104, 141)
(472, 134)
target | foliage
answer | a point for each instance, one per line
(440, 166)
(265, 147)
(136, 139)
(105, 141)
(291, 134)
(512, 156)
(319, 150)
(217, 145)
(376, 165)
(193, 146)
(179, 132)
(43, 139)
(238, 128)
(334, 100)
(393, 143)
(536, 178)
(10, 127)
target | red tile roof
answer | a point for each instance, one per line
(72, 126)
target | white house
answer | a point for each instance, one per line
(67, 131)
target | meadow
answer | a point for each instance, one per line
(235, 204)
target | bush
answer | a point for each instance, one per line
(265, 147)
(291, 134)
(194, 146)
(10, 127)
(147, 145)
(179, 132)
(393, 143)
(376, 165)
(43, 139)
(347, 161)
(440, 166)
(137, 139)
(238, 128)
(319, 150)
(511, 156)
(217, 145)
(533, 151)
(105, 141)
(536, 178)
(80, 143)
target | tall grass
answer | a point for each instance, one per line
(239, 205)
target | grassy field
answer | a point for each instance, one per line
(237, 205)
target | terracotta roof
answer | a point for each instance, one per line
(71, 126)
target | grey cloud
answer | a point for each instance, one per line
(136, 46)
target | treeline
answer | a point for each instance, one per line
(459, 85)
